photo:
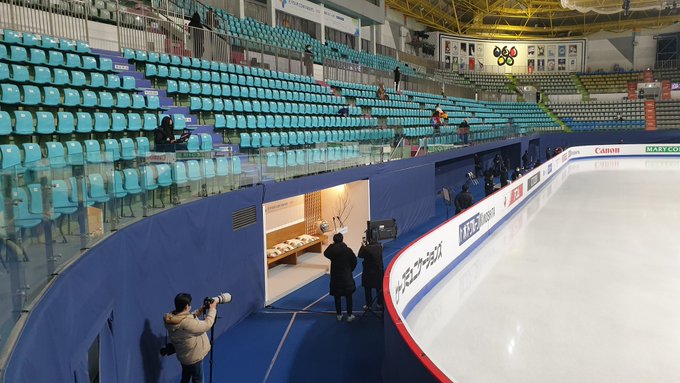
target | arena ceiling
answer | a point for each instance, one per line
(535, 19)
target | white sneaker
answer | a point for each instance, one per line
(338, 317)
(350, 318)
(365, 307)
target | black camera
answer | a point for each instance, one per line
(220, 299)
(169, 349)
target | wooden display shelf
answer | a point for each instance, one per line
(290, 257)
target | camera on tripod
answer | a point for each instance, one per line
(220, 299)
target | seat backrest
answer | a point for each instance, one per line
(11, 156)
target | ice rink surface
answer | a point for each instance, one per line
(580, 285)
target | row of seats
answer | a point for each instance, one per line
(114, 184)
(214, 77)
(58, 155)
(276, 107)
(64, 77)
(236, 91)
(32, 95)
(209, 103)
(275, 139)
(197, 63)
(54, 58)
(302, 157)
(286, 122)
(41, 122)
(32, 40)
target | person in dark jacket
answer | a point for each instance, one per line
(479, 171)
(463, 200)
(397, 79)
(372, 254)
(308, 60)
(197, 34)
(343, 262)
(163, 136)
(504, 176)
(525, 159)
(489, 185)
(463, 131)
(548, 153)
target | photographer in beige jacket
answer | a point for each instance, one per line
(187, 333)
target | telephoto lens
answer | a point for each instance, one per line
(220, 299)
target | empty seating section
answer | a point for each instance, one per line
(291, 39)
(609, 82)
(550, 83)
(257, 107)
(601, 115)
(672, 75)
(493, 82)
(667, 114)
(412, 111)
(452, 78)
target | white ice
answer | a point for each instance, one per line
(581, 285)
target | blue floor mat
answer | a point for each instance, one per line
(316, 346)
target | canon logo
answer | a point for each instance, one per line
(607, 150)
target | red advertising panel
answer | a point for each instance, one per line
(632, 91)
(648, 76)
(666, 89)
(650, 115)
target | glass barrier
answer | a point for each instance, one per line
(55, 209)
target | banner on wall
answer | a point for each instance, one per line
(313, 12)
(650, 115)
(509, 56)
(340, 22)
(300, 8)
(666, 89)
(632, 91)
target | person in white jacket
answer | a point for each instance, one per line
(187, 333)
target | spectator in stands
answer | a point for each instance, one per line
(463, 200)
(478, 166)
(558, 150)
(344, 111)
(196, 32)
(516, 174)
(506, 162)
(342, 284)
(187, 334)
(548, 153)
(525, 159)
(463, 131)
(308, 60)
(373, 268)
(397, 79)
(619, 117)
(163, 136)
(380, 93)
(504, 176)
(489, 184)
(436, 121)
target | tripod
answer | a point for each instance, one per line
(369, 308)
(212, 342)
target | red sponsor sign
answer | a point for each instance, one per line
(632, 91)
(614, 150)
(650, 115)
(648, 75)
(666, 89)
(515, 194)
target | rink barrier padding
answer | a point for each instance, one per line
(416, 269)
